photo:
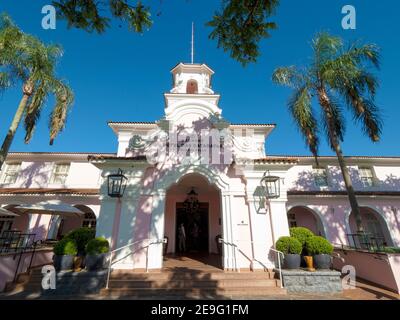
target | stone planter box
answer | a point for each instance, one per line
(300, 281)
(69, 283)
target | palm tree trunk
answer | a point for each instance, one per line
(27, 92)
(325, 103)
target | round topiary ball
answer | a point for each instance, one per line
(65, 247)
(289, 245)
(98, 245)
(301, 234)
(318, 245)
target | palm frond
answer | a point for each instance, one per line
(34, 109)
(303, 116)
(64, 99)
(288, 76)
(334, 121)
(325, 46)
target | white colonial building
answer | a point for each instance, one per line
(194, 170)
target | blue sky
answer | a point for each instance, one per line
(122, 76)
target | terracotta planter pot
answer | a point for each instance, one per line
(309, 263)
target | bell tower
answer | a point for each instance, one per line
(192, 79)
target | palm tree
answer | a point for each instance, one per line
(25, 58)
(337, 75)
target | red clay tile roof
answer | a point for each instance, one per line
(137, 158)
(83, 191)
(271, 159)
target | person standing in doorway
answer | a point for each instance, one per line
(182, 238)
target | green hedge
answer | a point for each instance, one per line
(389, 250)
(289, 245)
(302, 234)
(98, 245)
(318, 245)
(65, 247)
(82, 236)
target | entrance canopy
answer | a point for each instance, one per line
(5, 212)
(54, 207)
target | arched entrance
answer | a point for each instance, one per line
(374, 225)
(193, 221)
(302, 216)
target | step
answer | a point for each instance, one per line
(190, 275)
(192, 292)
(171, 284)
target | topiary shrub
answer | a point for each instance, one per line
(98, 245)
(289, 245)
(65, 247)
(301, 234)
(82, 236)
(318, 245)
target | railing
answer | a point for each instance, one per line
(235, 248)
(366, 241)
(151, 242)
(279, 263)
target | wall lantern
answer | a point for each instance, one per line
(116, 183)
(271, 185)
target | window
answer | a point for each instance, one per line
(292, 220)
(11, 173)
(89, 220)
(60, 173)
(5, 223)
(191, 87)
(320, 177)
(366, 176)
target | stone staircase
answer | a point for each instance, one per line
(187, 278)
(181, 278)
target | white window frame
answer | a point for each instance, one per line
(367, 180)
(320, 173)
(14, 174)
(55, 177)
(292, 220)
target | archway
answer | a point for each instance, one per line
(302, 216)
(374, 224)
(192, 87)
(193, 221)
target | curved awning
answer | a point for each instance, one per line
(54, 207)
(5, 212)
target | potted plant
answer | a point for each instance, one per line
(64, 252)
(303, 234)
(291, 247)
(96, 252)
(81, 236)
(321, 249)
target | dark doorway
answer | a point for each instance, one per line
(192, 87)
(195, 225)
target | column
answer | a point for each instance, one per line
(228, 250)
(156, 231)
